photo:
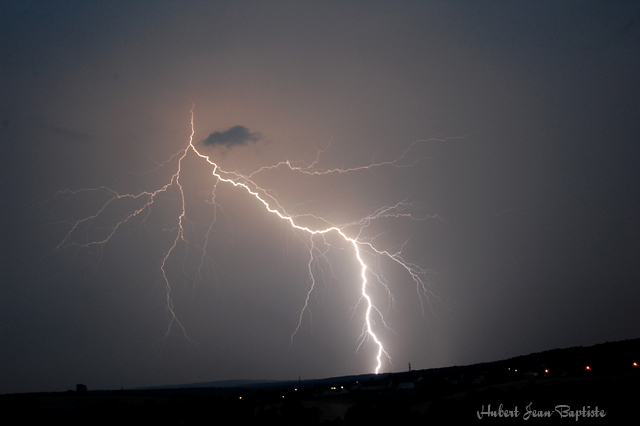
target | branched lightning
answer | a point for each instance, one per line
(360, 244)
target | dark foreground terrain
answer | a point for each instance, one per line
(596, 385)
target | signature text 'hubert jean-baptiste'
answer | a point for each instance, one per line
(561, 410)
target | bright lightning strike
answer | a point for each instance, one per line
(244, 182)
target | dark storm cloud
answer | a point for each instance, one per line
(630, 28)
(236, 135)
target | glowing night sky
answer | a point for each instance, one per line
(506, 135)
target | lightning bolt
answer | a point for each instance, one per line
(359, 244)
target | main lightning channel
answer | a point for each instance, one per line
(290, 219)
(359, 243)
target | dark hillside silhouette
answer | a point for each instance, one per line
(601, 381)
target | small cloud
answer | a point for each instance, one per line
(236, 135)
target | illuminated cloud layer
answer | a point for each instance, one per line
(491, 150)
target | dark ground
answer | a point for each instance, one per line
(601, 381)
